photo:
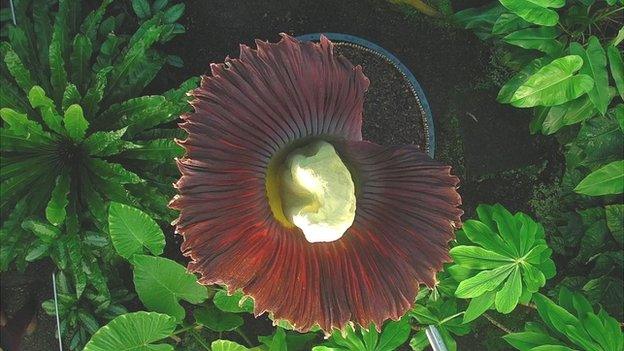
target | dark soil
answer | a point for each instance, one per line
(389, 94)
(21, 297)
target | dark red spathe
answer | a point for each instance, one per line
(254, 107)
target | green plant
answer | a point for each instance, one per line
(394, 335)
(92, 140)
(510, 262)
(570, 325)
(444, 315)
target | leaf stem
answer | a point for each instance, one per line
(240, 332)
(199, 339)
(498, 324)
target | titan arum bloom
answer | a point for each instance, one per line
(280, 197)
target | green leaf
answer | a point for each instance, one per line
(616, 64)
(483, 282)
(553, 315)
(481, 234)
(159, 5)
(507, 297)
(226, 345)
(75, 123)
(45, 232)
(55, 210)
(20, 73)
(533, 277)
(158, 150)
(528, 340)
(131, 230)
(38, 99)
(80, 59)
(595, 66)
(478, 306)
(507, 23)
(113, 172)
(571, 112)
(161, 283)
(141, 8)
(95, 93)
(535, 11)
(36, 252)
(554, 84)
(478, 258)
(618, 113)
(235, 303)
(58, 75)
(216, 320)
(394, 334)
(22, 126)
(506, 93)
(106, 143)
(134, 331)
(543, 39)
(606, 180)
(70, 96)
(615, 221)
(174, 13)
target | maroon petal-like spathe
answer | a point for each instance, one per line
(247, 114)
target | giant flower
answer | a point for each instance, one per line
(281, 198)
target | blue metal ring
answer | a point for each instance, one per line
(410, 76)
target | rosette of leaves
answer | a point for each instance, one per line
(502, 261)
(444, 315)
(76, 133)
(573, 324)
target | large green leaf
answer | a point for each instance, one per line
(617, 68)
(595, 66)
(132, 230)
(134, 332)
(507, 23)
(554, 84)
(535, 11)
(75, 123)
(606, 180)
(80, 60)
(161, 283)
(507, 91)
(235, 303)
(542, 38)
(38, 99)
(55, 211)
(217, 320)
(571, 112)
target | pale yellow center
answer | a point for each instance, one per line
(318, 194)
